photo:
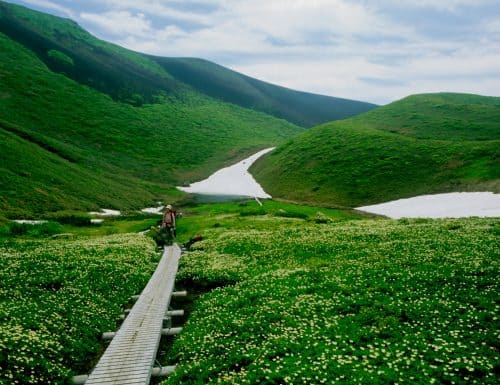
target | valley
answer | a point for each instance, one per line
(290, 280)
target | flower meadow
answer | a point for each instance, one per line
(58, 295)
(352, 302)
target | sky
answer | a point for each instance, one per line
(372, 50)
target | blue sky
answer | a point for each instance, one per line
(377, 51)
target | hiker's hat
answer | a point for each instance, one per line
(169, 207)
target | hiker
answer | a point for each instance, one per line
(168, 221)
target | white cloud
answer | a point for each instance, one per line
(50, 5)
(120, 23)
(443, 5)
(158, 8)
(348, 48)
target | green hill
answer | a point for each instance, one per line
(87, 124)
(137, 79)
(302, 108)
(421, 144)
(66, 145)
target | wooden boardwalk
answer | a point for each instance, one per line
(130, 356)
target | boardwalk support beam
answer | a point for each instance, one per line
(79, 380)
(108, 335)
(174, 313)
(171, 331)
(179, 293)
(163, 371)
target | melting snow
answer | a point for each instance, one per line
(450, 205)
(234, 180)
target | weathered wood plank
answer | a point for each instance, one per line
(129, 358)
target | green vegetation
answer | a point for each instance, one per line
(303, 295)
(301, 108)
(444, 116)
(58, 296)
(38, 230)
(355, 302)
(108, 68)
(389, 153)
(244, 214)
(67, 146)
(137, 79)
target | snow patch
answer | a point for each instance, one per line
(234, 180)
(153, 210)
(450, 205)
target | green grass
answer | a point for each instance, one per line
(67, 146)
(297, 300)
(302, 108)
(58, 296)
(196, 220)
(355, 302)
(445, 116)
(381, 155)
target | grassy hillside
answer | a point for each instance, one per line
(303, 295)
(302, 108)
(351, 302)
(409, 147)
(66, 48)
(136, 79)
(67, 145)
(445, 116)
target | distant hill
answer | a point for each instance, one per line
(68, 145)
(302, 108)
(447, 116)
(138, 79)
(422, 144)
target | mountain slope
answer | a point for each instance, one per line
(72, 147)
(389, 153)
(302, 108)
(447, 116)
(137, 79)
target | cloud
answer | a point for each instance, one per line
(443, 5)
(120, 23)
(52, 6)
(165, 9)
(374, 51)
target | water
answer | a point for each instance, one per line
(450, 205)
(153, 210)
(230, 183)
(106, 212)
(30, 221)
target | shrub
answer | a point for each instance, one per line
(70, 218)
(291, 214)
(32, 230)
(252, 211)
(60, 57)
(322, 218)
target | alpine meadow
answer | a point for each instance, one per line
(300, 288)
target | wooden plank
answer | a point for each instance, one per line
(130, 356)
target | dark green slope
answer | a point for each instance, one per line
(67, 48)
(71, 146)
(137, 79)
(301, 108)
(392, 152)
